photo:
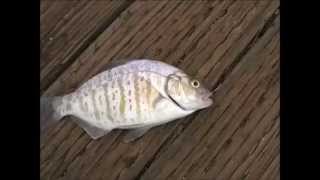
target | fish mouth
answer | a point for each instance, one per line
(207, 101)
(206, 96)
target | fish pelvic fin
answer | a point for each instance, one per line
(48, 112)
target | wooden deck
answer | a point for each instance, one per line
(232, 42)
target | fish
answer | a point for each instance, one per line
(136, 95)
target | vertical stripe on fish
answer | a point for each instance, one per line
(113, 94)
(129, 93)
(94, 101)
(137, 96)
(122, 102)
(106, 96)
(101, 106)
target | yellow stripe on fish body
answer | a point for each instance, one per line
(126, 103)
(107, 102)
(122, 101)
(143, 98)
(129, 93)
(101, 107)
(148, 94)
(137, 93)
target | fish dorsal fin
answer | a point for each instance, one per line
(114, 64)
(135, 65)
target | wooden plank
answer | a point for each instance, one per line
(67, 28)
(273, 170)
(233, 42)
(246, 166)
(220, 132)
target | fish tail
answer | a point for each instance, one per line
(48, 112)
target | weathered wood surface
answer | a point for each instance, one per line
(67, 28)
(232, 42)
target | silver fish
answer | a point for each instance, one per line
(137, 95)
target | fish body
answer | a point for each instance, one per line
(139, 95)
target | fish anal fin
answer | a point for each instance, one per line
(93, 131)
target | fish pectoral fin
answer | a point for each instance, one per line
(93, 131)
(134, 134)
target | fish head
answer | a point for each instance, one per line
(187, 92)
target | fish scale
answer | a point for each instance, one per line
(100, 105)
(88, 109)
(139, 95)
(142, 92)
(107, 102)
(136, 92)
(115, 96)
(129, 93)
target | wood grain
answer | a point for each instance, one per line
(67, 28)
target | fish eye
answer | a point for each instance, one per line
(195, 83)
